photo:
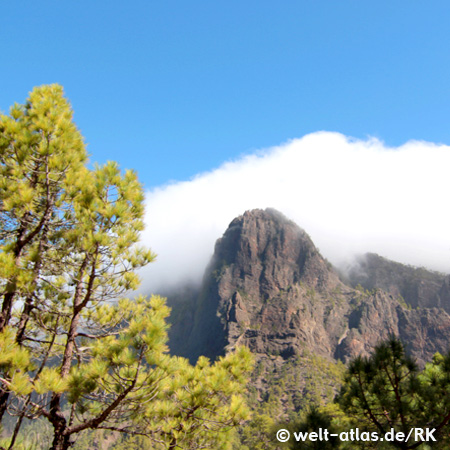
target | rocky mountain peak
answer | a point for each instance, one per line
(267, 252)
(268, 287)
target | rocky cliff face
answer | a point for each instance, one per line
(262, 267)
(269, 288)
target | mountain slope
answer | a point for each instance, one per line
(419, 287)
(268, 287)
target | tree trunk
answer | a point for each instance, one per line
(4, 396)
(60, 441)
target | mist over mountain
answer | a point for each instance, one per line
(421, 288)
(351, 196)
(268, 287)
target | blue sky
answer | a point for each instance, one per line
(219, 107)
(176, 88)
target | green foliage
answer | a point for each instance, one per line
(258, 433)
(203, 404)
(293, 386)
(74, 350)
(387, 390)
(382, 392)
(311, 421)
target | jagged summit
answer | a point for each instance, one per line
(268, 287)
(267, 252)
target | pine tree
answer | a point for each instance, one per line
(74, 349)
(387, 391)
(39, 148)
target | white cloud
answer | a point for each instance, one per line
(351, 196)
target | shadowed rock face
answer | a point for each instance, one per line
(269, 288)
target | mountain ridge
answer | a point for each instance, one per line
(269, 288)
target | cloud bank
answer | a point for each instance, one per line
(351, 196)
